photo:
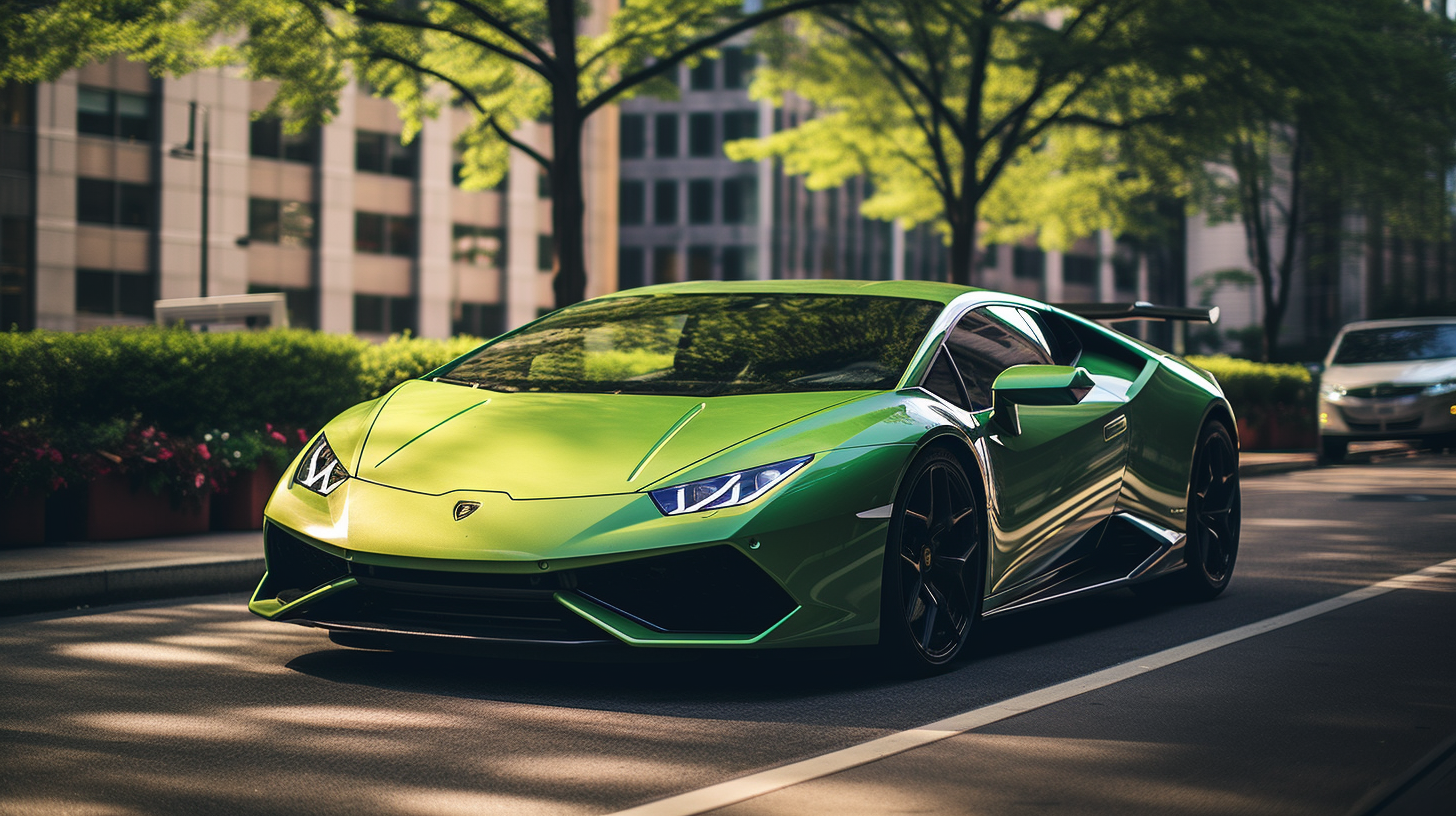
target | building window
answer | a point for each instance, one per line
(384, 234)
(1079, 269)
(478, 246)
(664, 202)
(631, 267)
(740, 200)
(267, 140)
(384, 314)
(1028, 262)
(740, 263)
(382, 153)
(700, 201)
(116, 294)
(478, 319)
(700, 263)
(740, 125)
(664, 264)
(545, 253)
(113, 203)
(702, 142)
(737, 68)
(634, 136)
(701, 76)
(543, 186)
(664, 134)
(101, 112)
(302, 304)
(288, 223)
(632, 203)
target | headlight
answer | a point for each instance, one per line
(724, 491)
(1332, 393)
(1440, 388)
(320, 471)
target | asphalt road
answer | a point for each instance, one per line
(197, 707)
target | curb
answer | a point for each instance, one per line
(51, 590)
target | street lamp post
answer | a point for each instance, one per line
(189, 151)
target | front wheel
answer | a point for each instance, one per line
(1214, 503)
(931, 589)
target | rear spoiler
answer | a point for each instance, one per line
(1141, 310)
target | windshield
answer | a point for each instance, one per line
(1397, 343)
(708, 345)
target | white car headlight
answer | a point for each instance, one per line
(1440, 388)
(320, 471)
(1332, 392)
(729, 490)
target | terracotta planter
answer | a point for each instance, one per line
(115, 511)
(22, 520)
(239, 506)
(1249, 436)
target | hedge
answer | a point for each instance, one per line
(1273, 402)
(67, 399)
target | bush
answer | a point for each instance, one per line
(1275, 402)
(67, 392)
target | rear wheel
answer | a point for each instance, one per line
(1214, 502)
(1332, 449)
(931, 592)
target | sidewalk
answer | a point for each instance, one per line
(68, 576)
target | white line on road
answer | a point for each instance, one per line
(733, 791)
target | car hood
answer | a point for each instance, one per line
(1404, 372)
(434, 438)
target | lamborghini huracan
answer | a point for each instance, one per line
(758, 465)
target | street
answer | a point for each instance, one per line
(196, 706)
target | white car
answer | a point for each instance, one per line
(1389, 379)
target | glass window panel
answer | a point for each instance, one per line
(632, 202)
(942, 381)
(93, 112)
(701, 76)
(369, 151)
(701, 142)
(737, 68)
(700, 201)
(369, 313)
(263, 220)
(134, 205)
(545, 253)
(368, 232)
(401, 315)
(664, 264)
(664, 202)
(295, 224)
(134, 294)
(700, 263)
(740, 125)
(631, 263)
(982, 347)
(263, 138)
(401, 157)
(95, 291)
(300, 147)
(133, 117)
(634, 136)
(95, 201)
(401, 235)
(664, 133)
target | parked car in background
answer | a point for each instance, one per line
(1389, 379)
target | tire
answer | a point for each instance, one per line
(1332, 450)
(931, 587)
(1214, 504)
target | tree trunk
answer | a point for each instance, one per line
(568, 208)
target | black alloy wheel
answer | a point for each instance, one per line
(931, 593)
(1212, 545)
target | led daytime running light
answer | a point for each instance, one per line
(730, 490)
(320, 471)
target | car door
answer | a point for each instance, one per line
(1056, 480)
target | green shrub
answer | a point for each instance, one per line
(1258, 388)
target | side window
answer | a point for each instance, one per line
(943, 381)
(984, 344)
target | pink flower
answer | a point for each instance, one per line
(268, 426)
(204, 452)
(302, 436)
(56, 456)
(57, 483)
(198, 481)
(149, 433)
(282, 440)
(163, 455)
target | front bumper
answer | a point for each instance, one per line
(798, 569)
(1412, 416)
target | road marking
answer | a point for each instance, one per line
(738, 790)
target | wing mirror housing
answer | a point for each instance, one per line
(1035, 385)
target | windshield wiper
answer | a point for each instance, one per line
(466, 383)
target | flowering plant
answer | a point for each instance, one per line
(31, 461)
(236, 451)
(156, 461)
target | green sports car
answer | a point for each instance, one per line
(760, 465)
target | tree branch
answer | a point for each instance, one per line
(373, 16)
(504, 27)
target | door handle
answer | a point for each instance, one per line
(1111, 430)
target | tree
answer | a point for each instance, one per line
(1001, 113)
(510, 60)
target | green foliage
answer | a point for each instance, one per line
(1258, 390)
(119, 394)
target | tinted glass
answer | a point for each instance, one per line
(263, 220)
(369, 151)
(632, 203)
(133, 117)
(700, 135)
(401, 235)
(943, 381)
(1397, 343)
(709, 345)
(265, 138)
(737, 66)
(368, 313)
(134, 294)
(665, 135)
(700, 201)
(95, 291)
(983, 346)
(368, 232)
(93, 112)
(134, 205)
(700, 76)
(95, 201)
(634, 136)
(664, 202)
(630, 263)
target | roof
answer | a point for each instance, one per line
(942, 293)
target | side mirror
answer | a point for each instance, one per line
(1035, 385)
